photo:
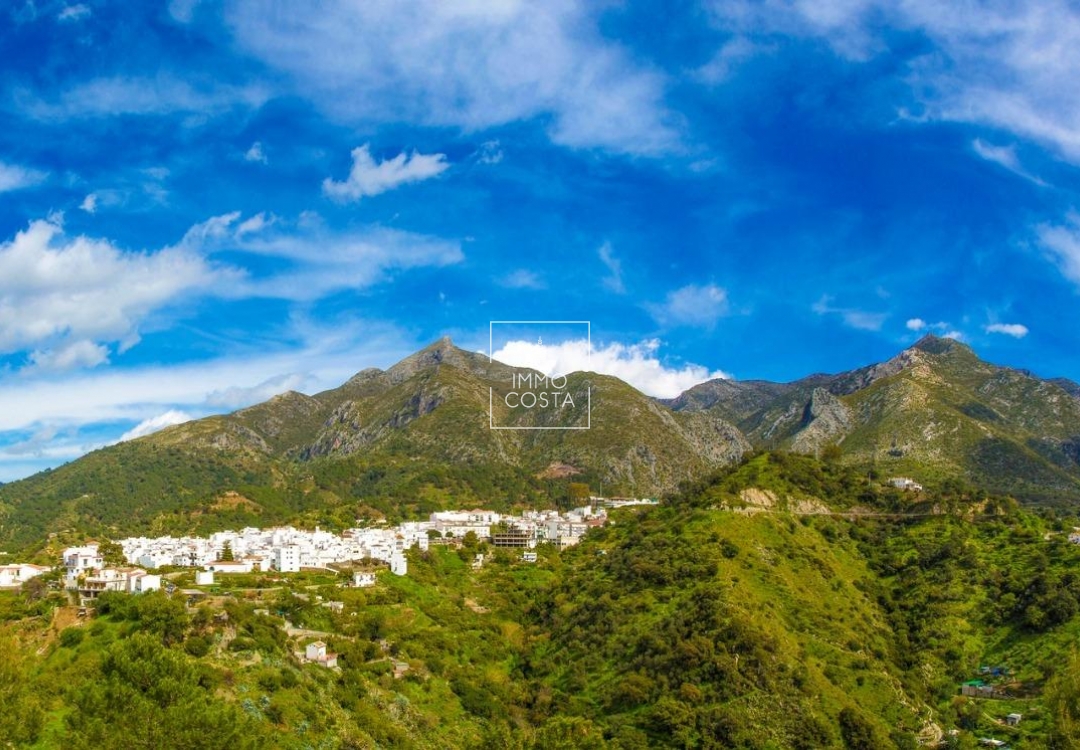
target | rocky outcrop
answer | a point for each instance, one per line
(825, 420)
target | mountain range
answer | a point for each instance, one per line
(418, 436)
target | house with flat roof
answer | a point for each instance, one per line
(317, 654)
(16, 574)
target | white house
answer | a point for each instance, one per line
(363, 580)
(139, 582)
(904, 483)
(204, 578)
(229, 566)
(287, 558)
(125, 580)
(80, 560)
(260, 563)
(155, 559)
(399, 566)
(16, 574)
(316, 652)
(106, 579)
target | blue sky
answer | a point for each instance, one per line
(206, 203)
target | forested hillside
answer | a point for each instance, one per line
(845, 614)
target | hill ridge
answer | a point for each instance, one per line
(418, 435)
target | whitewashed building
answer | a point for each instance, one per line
(140, 582)
(229, 566)
(287, 559)
(124, 580)
(399, 566)
(16, 574)
(81, 560)
(316, 652)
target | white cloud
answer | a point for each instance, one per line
(253, 225)
(1009, 65)
(14, 177)
(470, 64)
(153, 424)
(613, 281)
(215, 228)
(1016, 330)
(1063, 243)
(523, 279)
(59, 291)
(490, 152)
(68, 356)
(320, 261)
(325, 358)
(637, 364)
(34, 445)
(940, 328)
(853, 318)
(1004, 156)
(256, 154)
(89, 203)
(236, 397)
(727, 59)
(862, 320)
(369, 177)
(692, 305)
(74, 13)
(161, 95)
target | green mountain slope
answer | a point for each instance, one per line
(695, 626)
(808, 623)
(934, 411)
(419, 436)
(412, 439)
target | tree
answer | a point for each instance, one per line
(22, 717)
(161, 614)
(227, 553)
(858, 733)
(35, 589)
(112, 553)
(148, 696)
(1062, 699)
(569, 733)
(579, 491)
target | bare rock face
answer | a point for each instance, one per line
(349, 429)
(825, 420)
(719, 442)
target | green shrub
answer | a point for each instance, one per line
(71, 637)
(197, 646)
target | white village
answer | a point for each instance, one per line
(290, 550)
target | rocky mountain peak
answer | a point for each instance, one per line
(932, 344)
(440, 352)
